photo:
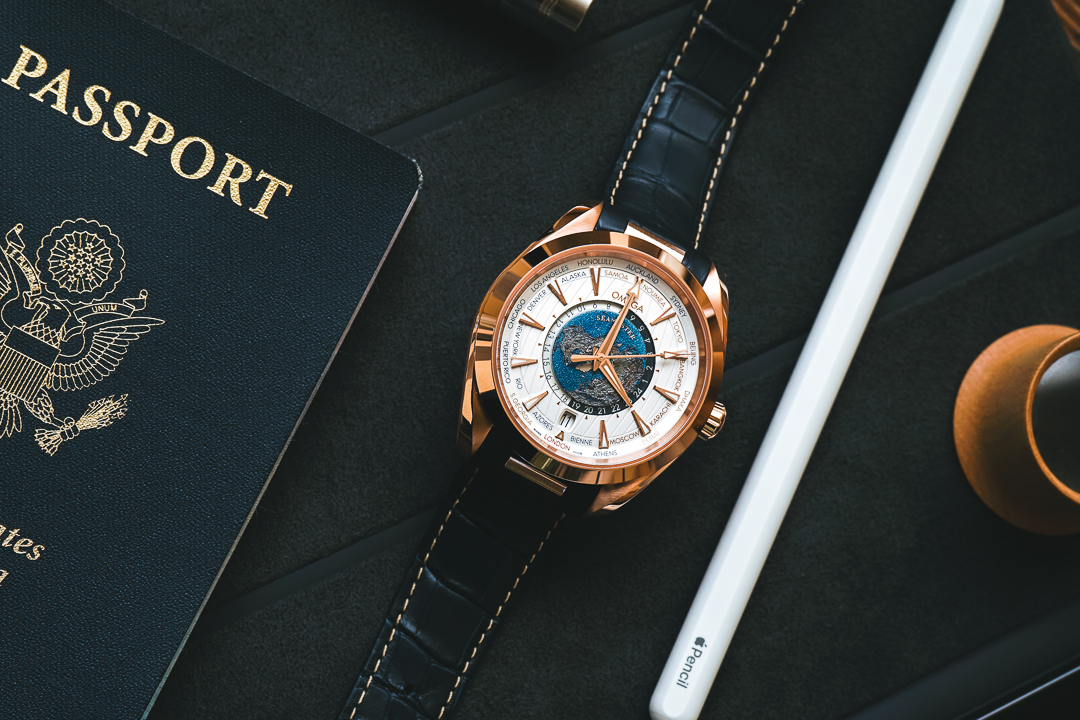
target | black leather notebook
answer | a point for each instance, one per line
(183, 250)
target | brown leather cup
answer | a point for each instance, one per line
(998, 439)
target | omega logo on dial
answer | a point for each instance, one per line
(598, 358)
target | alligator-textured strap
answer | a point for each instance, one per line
(482, 542)
(672, 157)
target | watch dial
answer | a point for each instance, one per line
(598, 356)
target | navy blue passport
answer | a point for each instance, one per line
(181, 252)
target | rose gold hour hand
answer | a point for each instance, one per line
(613, 377)
(609, 339)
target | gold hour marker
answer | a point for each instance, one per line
(668, 394)
(554, 288)
(535, 400)
(603, 445)
(594, 273)
(641, 426)
(517, 362)
(526, 320)
(675, 355)
(559, 436)
(666, 316)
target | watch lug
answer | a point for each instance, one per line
(533, 475)
(578, 219)
(571, 214)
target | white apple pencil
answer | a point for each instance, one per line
(730, 577)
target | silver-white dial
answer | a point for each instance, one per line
(598, 359)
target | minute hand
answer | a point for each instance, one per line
(609, 341)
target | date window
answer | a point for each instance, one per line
(567, 419)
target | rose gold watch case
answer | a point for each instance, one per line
(483, 410)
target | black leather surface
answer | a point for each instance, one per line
(887, 568)
(484, 538)
(216, 336)
(664, 178)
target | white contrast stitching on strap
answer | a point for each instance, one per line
(656, 98)
(491, 622)
(397, 621)
(734, 119)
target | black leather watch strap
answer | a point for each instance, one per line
(488, 533)
(482, 542)
(665, 177)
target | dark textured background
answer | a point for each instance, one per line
(887, 567)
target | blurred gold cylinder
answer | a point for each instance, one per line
(554, 17)
(995, 437)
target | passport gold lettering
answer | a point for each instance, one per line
(21, 69)
(148, 135)
(58, 86)
(22, 546)
(178, 154)
(121, 120)
(92, 104)
(157, 131)
(272, 185)
(226, 176)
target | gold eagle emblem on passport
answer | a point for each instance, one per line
(59, 330)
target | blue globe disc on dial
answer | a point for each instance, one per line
(589, 389)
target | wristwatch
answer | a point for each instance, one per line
(594, 362)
